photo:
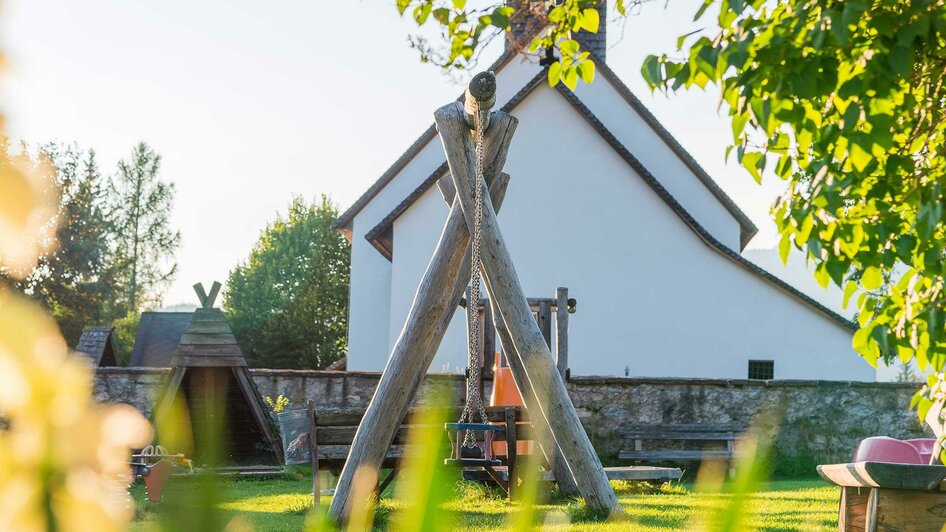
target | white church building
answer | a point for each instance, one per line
(645, 241)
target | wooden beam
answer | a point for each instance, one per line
(561, 331)
(434, 305)
(548, 403)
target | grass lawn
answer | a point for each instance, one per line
(282, 504)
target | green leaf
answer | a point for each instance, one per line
(784, 248)
(859, 158)
(650, 71)
(850, 288)
(590, 19)
(402, 5)
(555, 73)
(586, 70)
(900, 60)
(459, 4)
(872, 278)
(569, 47)
(570, 79)
(753, 162)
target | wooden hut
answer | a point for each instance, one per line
(96, 342)
(209, 373)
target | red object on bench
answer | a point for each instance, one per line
(892, 450)
(156, 478)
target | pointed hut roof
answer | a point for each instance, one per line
(97, 343)
(208, 340)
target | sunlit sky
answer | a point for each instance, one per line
(250, 102)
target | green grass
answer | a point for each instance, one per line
(282, 504)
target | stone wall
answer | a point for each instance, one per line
(811, 421)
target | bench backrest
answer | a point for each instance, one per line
(686, 432)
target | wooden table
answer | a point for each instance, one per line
(885, 496)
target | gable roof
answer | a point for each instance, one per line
(157, 337)
(97, 343)
(379, 236)
(343, 222)
(208, 341)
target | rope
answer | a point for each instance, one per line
(473, 399)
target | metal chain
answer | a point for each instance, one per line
(473, 399)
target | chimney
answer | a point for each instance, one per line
(530, 16)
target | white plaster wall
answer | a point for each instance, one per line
(633, 132)
(372, 327)
(652, 296)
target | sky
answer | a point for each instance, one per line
(250, 103)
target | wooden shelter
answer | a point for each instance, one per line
(97, 343)
(209, 373)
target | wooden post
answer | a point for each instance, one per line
(489, 343)
(561, 331)
(434, 305)
(548, 404)
(547, 445)
(313, 453)
(545, 321)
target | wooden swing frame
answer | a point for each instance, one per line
(438, 294)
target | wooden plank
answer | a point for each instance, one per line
(208, 339)
(253, 399)
(512, 449)
(680, 454)
(561, 331)
(352, 416)
(545, 322)
(549, 402)
(436, 298)
(897, 510)
(613, 473)
(884, 475)
(313, 453)
(682, 436)
(209, 327)
(686, 427)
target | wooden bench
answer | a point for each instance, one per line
(336, 427)
(724, 435)
(888, 496)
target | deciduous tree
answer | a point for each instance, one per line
(288, 302)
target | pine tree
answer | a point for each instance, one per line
(146, 241)
(77, 279)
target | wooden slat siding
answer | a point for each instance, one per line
(561, 331)
(208, 327)
(201, 360)
(224, 338)
(252, 398)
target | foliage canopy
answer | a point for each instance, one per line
(288, 303)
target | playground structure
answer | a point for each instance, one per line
(475, 189)
(209, 377)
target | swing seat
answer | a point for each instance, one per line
(455, 430)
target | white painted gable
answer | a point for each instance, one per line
(653, 296)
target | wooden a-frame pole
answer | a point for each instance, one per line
(434, 304)
(549, 404)
(550, 450)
